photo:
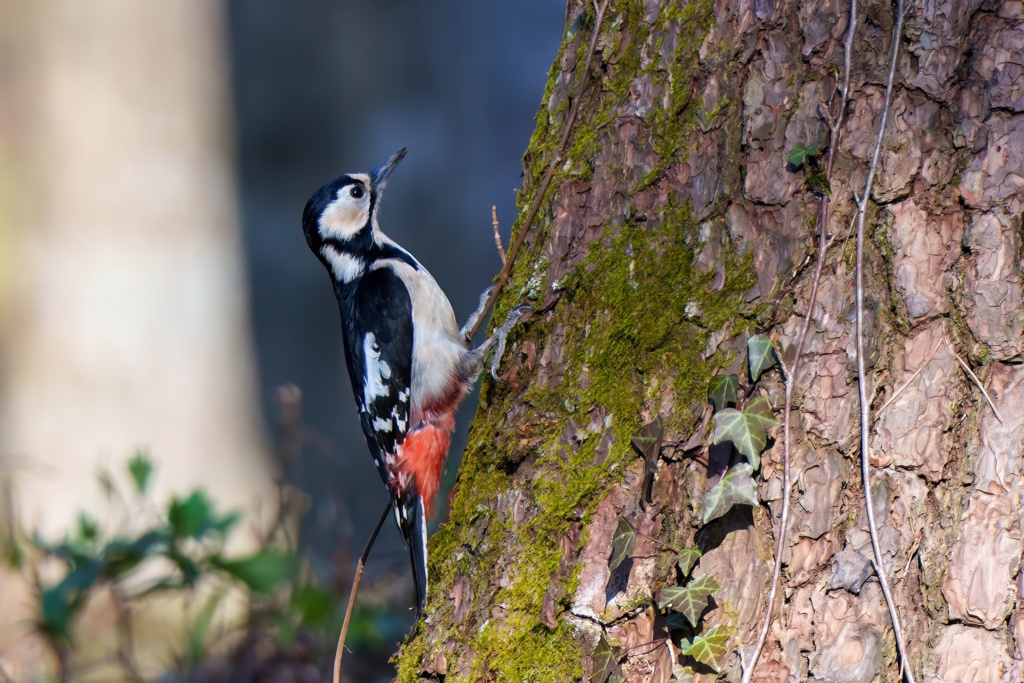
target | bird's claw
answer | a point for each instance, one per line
(513, 317)
(471, 323)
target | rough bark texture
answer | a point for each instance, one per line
(672, 229)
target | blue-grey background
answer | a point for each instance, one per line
(322, 88)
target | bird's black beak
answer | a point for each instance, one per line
(379, 175)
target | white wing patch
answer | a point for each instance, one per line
(376, 371)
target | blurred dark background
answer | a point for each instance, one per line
(323, 88)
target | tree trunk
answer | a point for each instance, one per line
(123, 314)
(674, 230)
(128, 320)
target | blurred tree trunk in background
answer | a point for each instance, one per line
(125, 318)
(673, 230)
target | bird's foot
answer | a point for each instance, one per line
(501, 335)
(475, 316)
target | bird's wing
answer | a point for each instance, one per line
(380, 363)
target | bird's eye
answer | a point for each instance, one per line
(356, 192)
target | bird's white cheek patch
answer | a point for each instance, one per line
(343, 219)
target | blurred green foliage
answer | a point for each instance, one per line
(175, 547)
(190, 536)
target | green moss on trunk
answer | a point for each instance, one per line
(632, 322)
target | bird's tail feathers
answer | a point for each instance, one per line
(412, 520)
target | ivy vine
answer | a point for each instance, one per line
(742, 420)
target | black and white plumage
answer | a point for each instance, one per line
(409, 363)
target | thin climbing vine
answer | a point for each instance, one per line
(818, 180)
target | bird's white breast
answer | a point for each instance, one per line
(437, 345)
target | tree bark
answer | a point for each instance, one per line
(673, 231)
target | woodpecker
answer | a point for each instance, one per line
(409, 362)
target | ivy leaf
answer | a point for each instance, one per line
(682, 674)
(709, 649)
(647, 444)
(689, 600)
(760, 410)
(723, 390)
(687, 558)
(760, 355)
(746, 432)
(606, 663)
(674, 621)
(798, 156)
(735, 488)
(622, 543)
(141, 469)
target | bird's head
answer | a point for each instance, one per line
(345, 209)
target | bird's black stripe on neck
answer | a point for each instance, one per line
(391, 251)
(363, 246)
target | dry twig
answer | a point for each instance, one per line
(355, 589)
(659, 542)
(977, 383)
(546, 181)
(912, 377)
(497, 235)
(865, 457)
